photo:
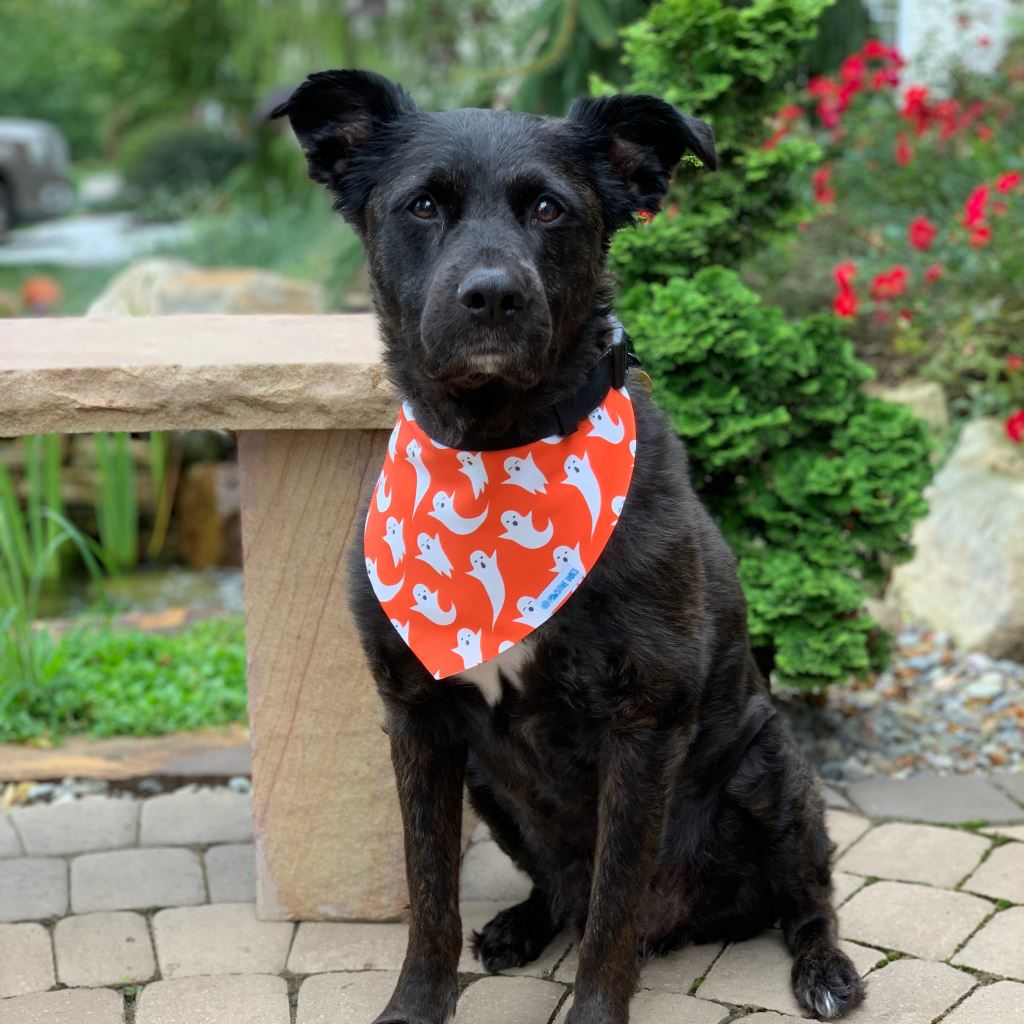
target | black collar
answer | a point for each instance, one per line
(562, 418)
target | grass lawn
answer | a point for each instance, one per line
(79, 285)
(108, 682)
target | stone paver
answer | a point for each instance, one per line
(103, 949)
(26, 962)
(916, 853)
(487, 874)
(939, 800)
(999, 947)
(508, 1001)
(915, 919)
(1001, 1003)
(833, 798)
(186, 819)
(757, 973)
(1012, 783)
(136, 880)
(768, 1017)
(1015, 832)
(246, 999)
(225, 938)
(33, 888)
(322, 946)
(911, 992)
(476, 914)
(69, 1006)
(665, 1008)
(845, 828)
(844, 886)
(230, 873)
(77, 826)
(675, 972)
(10, 846)
(1002, 875)
(344, 997)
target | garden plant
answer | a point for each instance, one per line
(815, 484)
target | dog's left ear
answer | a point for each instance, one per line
(644, 138)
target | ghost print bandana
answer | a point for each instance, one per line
(469, 552)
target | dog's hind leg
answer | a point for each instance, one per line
(517, 935)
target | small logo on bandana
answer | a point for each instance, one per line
(469, 552)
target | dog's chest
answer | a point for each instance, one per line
(510, 663)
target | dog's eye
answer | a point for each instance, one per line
(547, 211)
(424, 207)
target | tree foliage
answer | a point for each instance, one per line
(815, 485)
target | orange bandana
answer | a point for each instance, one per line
(469, 552)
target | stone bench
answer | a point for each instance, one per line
(313, 412)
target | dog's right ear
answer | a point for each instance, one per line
(336, 114)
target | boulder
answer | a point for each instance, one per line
(967, 574)
(208, 509)
(164, 287)
(924, 398)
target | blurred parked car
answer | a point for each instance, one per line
(35, 170)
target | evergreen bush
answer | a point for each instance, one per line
(815, 485)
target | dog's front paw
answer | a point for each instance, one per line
(515, 937)
(421, 1004)
(597, 1011)
(826, 983)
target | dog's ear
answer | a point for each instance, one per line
(337, 114)
(643, 138)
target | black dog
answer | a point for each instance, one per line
(631, 764)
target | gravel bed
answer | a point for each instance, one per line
(936, 709)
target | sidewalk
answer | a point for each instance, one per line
(141, 911)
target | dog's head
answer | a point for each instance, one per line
(485, 231)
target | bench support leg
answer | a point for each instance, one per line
(327, 827)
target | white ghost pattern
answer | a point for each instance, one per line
(520, 530)
(393, 441)
(485, 569)
(524, 473)
(579, 474)
(433, 553)
(394, 537)
(444, 512)
(383, 496)
(604, 427)
(474, 468)
(567, 558)
(383, 591)
(414, 455)
(530, 612)
(407, 409)
(402, 629)
(467, 647)
(617, 502)
(632, 447)
(428, 605)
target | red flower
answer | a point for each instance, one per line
(933, 273)
(846, 301)
(875, 49)
(885, 78)
(974, 207)
(981, 236)
(915, 107)
(921, 233)
(1008, 182)
(673, 211)
(853, 70)
(776, 137)
(984, 41)
(984, 132)
(1015, 427)
(904, 154)
(792, 112)
(890, 284)
(1000, 208)
(1014, 363)
(645, 216)
(821, 180)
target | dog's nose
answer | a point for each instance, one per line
(491, 295)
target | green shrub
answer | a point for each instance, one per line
(170, 166)
(815, 486)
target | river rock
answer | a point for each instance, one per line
(924, 398)
(163, 287)
(967, 573)
(209, 510)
